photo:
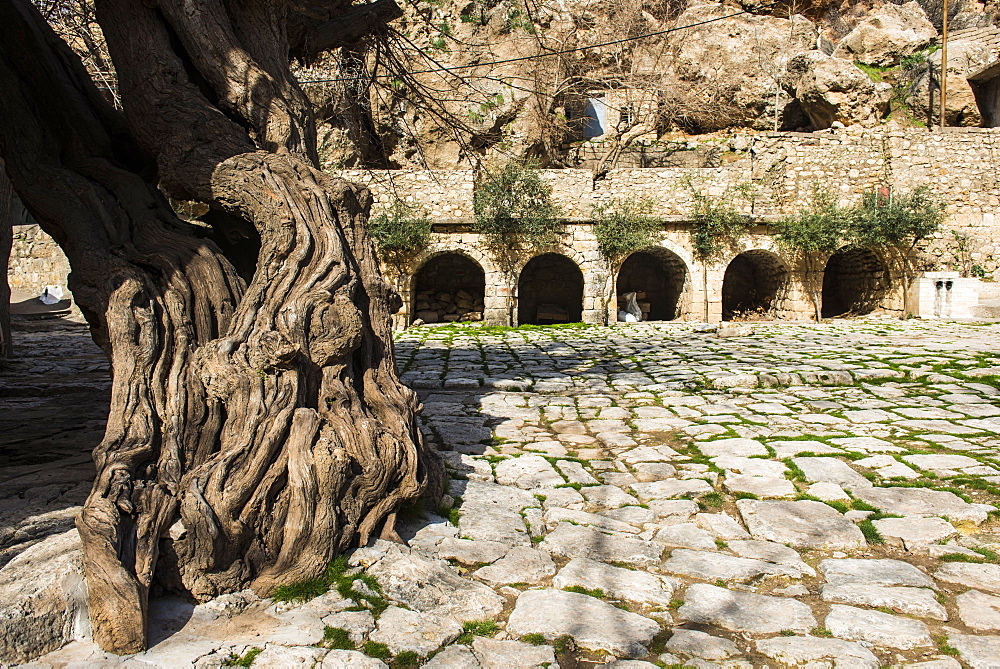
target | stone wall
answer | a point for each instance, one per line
(767, 175)
(36, 261)
(959, 165)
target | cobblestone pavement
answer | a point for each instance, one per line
(806, 495)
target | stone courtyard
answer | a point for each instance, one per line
(652, 494)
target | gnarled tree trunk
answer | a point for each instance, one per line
(6, 243)
(257, 429)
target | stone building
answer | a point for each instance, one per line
(572, 281)
(457, 277)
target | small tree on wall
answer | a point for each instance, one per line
(514, 213)
(623, 227)
(812, 235)
(400, 233)
(896, 224)
(716, 225)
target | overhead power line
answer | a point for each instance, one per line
(560, 52)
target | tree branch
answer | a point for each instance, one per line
(308, 37)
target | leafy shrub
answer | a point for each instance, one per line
(813, 234)
(896, 222)
(624, 226)
(513, 208)
(401, 231)
(717, 224)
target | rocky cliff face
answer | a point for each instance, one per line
(468, 82)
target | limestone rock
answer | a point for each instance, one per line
(714, 50)
(421, 633)
(278, 657)
(979, 610)
(914, 534)
(922, 502)
(831, 470)
(356, 623)
(493, 512)
(700, 644)
(554, 516)
(471, 552)
(43, 598)
(495, 654)
(961, 109)
(686, 535)
(771, 552)
(648, 472)
(576, 541)
(911, 601)
(675, 510)
(520, 565)
(978, 652)
(892, 32)
(765, 487)
(670, 488)
(835, 90)
(798, 651)
(736, 446)
(873, 572)
(719, 566)
(744, 612)
(980, 576)
(528, 472)
(721, 525)
(335, 659)
(432, 586)
(593, 624)
(452, 657)
(801, 524)
(628, 584)
(875, 627)
(608, 496)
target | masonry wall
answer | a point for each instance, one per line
(960, 165)
(36, 261)
(767, 175)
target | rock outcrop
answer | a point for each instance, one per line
(890, 34)
(966, 54)
(43, 599)
(726, 73)
(835, 90)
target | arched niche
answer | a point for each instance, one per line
(550, 290)
(855, 282)
(449, 287)
(753, 286)
(659, 277)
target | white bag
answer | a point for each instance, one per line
(631, 309)
(51, 294)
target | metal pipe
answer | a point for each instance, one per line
(944, 60)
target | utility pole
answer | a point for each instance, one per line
(944, 59)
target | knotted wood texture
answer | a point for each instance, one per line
(257, 428)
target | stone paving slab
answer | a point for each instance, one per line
(654, 492)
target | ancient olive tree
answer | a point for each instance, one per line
(6, 242)
(257, 423)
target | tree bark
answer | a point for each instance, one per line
(262, 424)
(6, 243)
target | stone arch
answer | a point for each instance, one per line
(550, 290)
(755, 284)
(661, 275)
(448, 286)
(855, 282)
